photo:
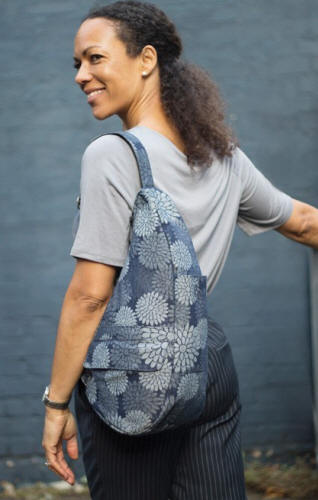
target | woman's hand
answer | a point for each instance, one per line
(59, 425)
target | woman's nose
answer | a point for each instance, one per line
(82, 75)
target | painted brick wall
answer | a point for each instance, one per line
(263, 55)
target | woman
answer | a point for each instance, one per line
(127, 61)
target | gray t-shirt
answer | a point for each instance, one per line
(210, 199)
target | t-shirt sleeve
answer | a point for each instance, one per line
(262, 205)
(108, 187)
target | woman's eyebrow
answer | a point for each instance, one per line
(85, 50)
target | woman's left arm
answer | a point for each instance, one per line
(83, 306)
(302, 225)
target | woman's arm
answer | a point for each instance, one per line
(302, 225)
(84, 303)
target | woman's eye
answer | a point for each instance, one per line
(95, 57)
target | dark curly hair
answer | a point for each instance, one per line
(190, 98)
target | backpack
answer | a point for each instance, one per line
(146, 368)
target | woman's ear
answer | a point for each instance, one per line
(149, 59)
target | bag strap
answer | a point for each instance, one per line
(141, 157)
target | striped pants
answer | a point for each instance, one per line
(202, 462)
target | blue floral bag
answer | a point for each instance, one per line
(146, 367)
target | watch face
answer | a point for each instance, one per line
(46, 392)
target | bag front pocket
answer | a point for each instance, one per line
(125, 355)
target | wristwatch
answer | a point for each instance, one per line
(54, 404)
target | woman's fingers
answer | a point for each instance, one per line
(55, 463)
(56, 428)
(70, 435)
(62, 462)
(72, 447)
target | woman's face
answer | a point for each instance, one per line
(112, 80)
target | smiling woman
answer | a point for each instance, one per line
(109, 56)
(127, 57)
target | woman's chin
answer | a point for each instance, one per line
(99, 114)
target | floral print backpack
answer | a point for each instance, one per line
(146, 368)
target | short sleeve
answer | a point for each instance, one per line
(107, 191)
(262, 205)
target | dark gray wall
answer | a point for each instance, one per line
(263, 55)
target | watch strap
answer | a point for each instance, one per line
(54, 404)
(57, 406)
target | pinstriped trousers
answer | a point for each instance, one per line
(201, 462)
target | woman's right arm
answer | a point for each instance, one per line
(84, 303)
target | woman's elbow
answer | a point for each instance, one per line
(302, 223)
(92, 285)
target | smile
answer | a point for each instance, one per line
(93, 94)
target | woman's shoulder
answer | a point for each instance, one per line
(109, 160)
(240, 163)
(107, 146)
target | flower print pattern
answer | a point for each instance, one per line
(107, 399)
(181, 256)
(167, 405)
(153, 251)
(101, 358)
(180, 313)
(186, 288)
(189, 386)
(162, 281)
(117, 421)
(106, 335)
(104, 330)
(114, 302)
(91, 390)
(125, 356)
(116, 381)
(129, 334)
(161, 334)
(201, 333)
(134, 245)
(136, 421)
(180, 224)
(112, 331)
(125, 292)
(151, 308)
(178, 230)
(185, 349)
(158, 380)
(157, 345)
(137, 397)
(165, 207)
(200, 307)
(125, 316)
(145, 219)
(124, 269)
(155, 356)
(166, 333)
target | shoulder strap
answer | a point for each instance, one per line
(141, 157)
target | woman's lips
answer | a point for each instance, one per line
(94, 95)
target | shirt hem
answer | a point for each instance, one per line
(98, 258)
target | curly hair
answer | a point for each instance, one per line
(189, 96)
